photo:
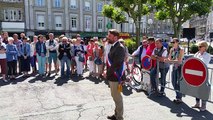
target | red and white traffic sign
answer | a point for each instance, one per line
(146, 62)
(194, 72)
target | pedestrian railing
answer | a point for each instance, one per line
(170, 87)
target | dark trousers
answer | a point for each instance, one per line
(33, 62)
(12, 66)
(176, 75)
(153, 75)
(25, 64)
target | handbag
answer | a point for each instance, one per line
(90, 58)
(81, 58)
(98, 61)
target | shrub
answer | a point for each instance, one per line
(210, 50)
(131, 45)
(193, 49)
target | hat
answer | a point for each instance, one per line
(121, 40)
(95, 38)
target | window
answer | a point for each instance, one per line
(58, 22)
(73, 4)
(100, 24)
(6, 15)
(39, 2)
(12, 1)
(74, 22)
(99, 7)
(87, 23)
(57, 3)
(40, 21)
(12, 15)
(87, 6)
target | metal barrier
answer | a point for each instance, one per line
(170, 87)
(169, 80)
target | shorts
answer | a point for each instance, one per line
(3, 65)
(52, 57)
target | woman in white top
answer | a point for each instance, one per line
(205, 57)
(3, 61)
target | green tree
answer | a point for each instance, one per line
(114, 13)
(179, 11)
(134, 8)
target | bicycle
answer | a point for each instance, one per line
(133, 75)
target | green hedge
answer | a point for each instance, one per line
(193, 49)
(131, 45)
(210, 50)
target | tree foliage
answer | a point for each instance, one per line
(179, 11)
(134, 8)
(114, 13)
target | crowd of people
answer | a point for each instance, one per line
(20, 56)
(24, 56)
(158, 51)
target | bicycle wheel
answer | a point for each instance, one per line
(136, 73)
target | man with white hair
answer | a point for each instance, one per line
(65, 56)
(12, 57)
(3, 61)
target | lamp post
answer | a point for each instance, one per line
(150, 22)
(142, 31)
(132, 25)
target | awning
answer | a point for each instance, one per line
(93, 34)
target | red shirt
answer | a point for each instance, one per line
(149, 51)
(90, 50)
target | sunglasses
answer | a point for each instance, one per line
(172, 42)
(200, 46)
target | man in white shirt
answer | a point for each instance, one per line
(52, 46)
(141, 51)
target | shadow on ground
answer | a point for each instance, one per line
(182, 110)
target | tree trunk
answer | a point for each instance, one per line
(176, 29)
(137, 34)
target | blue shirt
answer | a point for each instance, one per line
(25, 47)
(11, 52)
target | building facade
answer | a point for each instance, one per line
(12, 16)
(159, 28)
(67, 17)
(209, 28)
(199, 23)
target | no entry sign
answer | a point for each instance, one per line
(146, 62)
(194, 72)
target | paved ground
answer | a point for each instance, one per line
(87, 99)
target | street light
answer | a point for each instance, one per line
(150, 22)
(142, 31)
(132, 25)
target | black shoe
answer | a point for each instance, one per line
(177, 101)
(161, 94)
(111, 117)
(48, 75)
